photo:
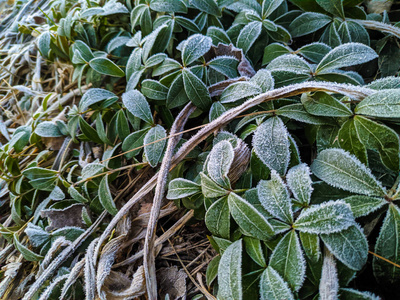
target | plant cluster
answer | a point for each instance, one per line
(274, 123)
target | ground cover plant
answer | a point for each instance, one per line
(230, 149)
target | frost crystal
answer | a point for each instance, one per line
(300, 183)
(271, 144)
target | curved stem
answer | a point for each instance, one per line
(149, 256)
(383, 27)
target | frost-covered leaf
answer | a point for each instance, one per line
(195, 47)
(346, 55)
(323, 104)
(248, 35)
(37, 236)
(249, 219)
(207, 6)
(209, 188)
(363, 205)
(105, 66)
(177, 6)
(216, 110)
(217, 218)
(328, 217)
(271, 144)
(239, 90)
(308, 22)
(177, 95)
(350, 140)
(93, 96)
(29, 255)
(196, 90)
(254, 250)
(263, 79)
(390, 82)
(352, 294)
(180, 188)
(350, 246)
(137, 105)
(288, 260)
(273, 287)
(134, 141)
(341, 169)
(230, 273)
(289, 63)
(48, 129)
(153, 89)
(382, 104)
(335, 7)
(218, 35)
(273, 51)
(154, 144)
(274, 196)
(388, 246)
(299, 182)
(212, 270)
(219, 162)
(226, 65)
(297, 112)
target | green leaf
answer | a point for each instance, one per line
(89, 131)
(177, 94)
(273, 287)
(105, 196)
(209, 188)
(248, 35)
(310, 242)
(388, 246)
(132, 141)
(364, 205)
(29, 255)
(271, 144)
(289, 63)
(187, 24)
(122, 125)
(255, 251)
(350, 246)
(299, 181)
(196, 90)
(105, 66)
(335, 7)
(207, 6)
(195, 47)
(153, 89)
(154, 144)
(328, 217)
(137, 105)
(381, 138)
(180, 188)
(346, 55)
(76, 195)
(323, 104)
(230, 273)
(340, 169)
(174, 6)
(217, 218)
(288, 260)
(382, 104)
(308, 22)
(269, 6)
(226, 65)
(273, 51)
(212, 270)
(249, 219)
(349, 139)
(297, 112)
(314, 52)
(274, 196)
(263, 79)
(239, 90)
(217, 109)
